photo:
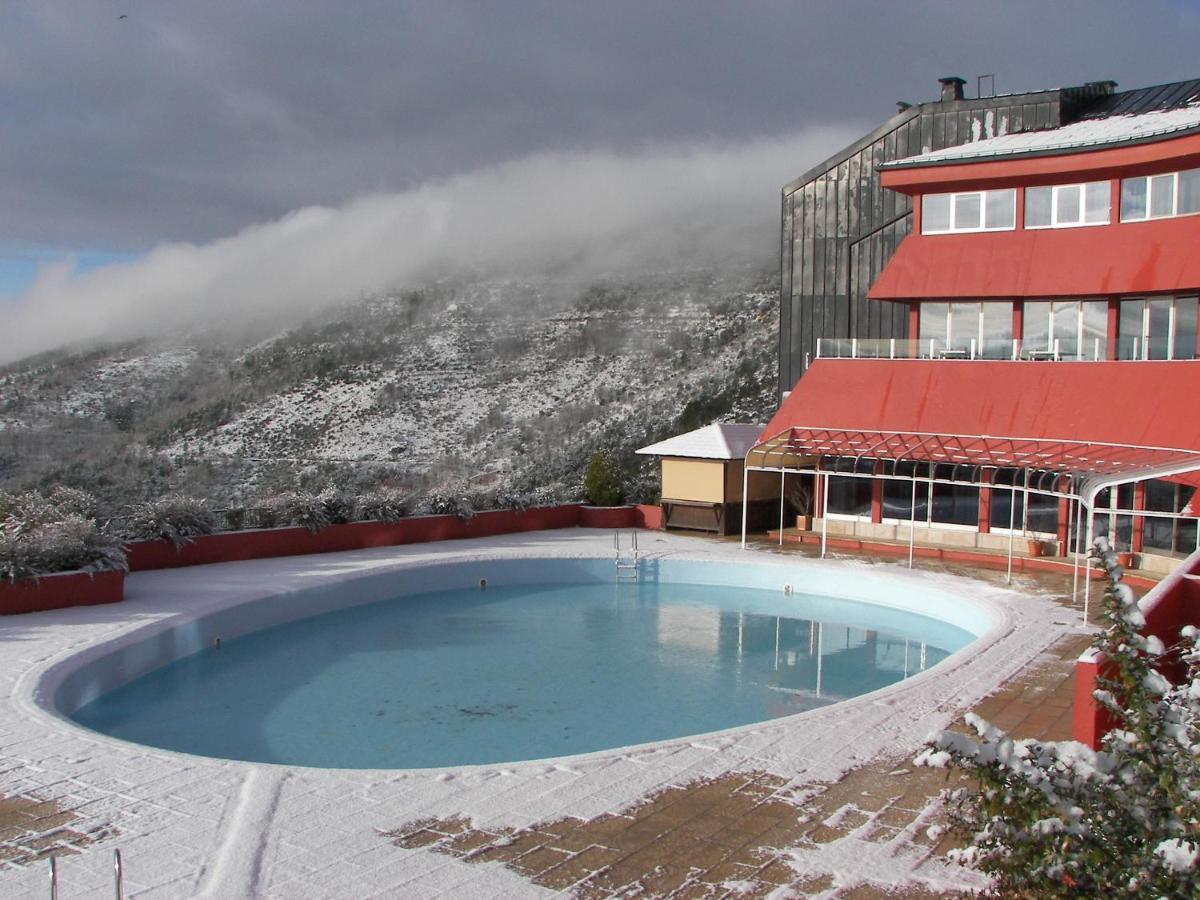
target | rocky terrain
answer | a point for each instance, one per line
(461, 385)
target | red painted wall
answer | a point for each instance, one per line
(1156, 256)
(261, 544)
(60, 591)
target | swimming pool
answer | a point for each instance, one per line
(426, 667)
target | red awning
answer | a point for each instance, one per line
(1102, 419)
(1131, 258)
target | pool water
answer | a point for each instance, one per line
(460, 677)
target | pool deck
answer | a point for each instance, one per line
(824, 803)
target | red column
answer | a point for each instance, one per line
(877, 494)
(1018, 319)
(1064, 508)
(914, 328)
(1139, 522)
(1114, 326)
(985, 503)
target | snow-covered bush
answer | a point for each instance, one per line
(383, 505)
(301, 508)
(1057, 819)
(174, 518)
(41, 535)
(439, 504)
(340, 506)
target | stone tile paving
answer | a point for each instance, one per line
(824, 803)
(729, 836)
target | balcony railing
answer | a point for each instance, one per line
(1056, 350)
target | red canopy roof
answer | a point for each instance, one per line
(1131, 258)
(1104, 418)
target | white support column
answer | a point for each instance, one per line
(1012, 523)
(782, 475)
(745, 500)
(824, 513)
(1087, 575)
(1073, 531)
(912, 522)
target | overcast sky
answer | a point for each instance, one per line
(130, 123)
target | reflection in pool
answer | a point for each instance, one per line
(519, 672)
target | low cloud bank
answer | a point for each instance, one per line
(584, 214)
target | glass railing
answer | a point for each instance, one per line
(1057, 350)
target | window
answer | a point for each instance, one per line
(955, 329)
(1172, 535)
(851, 496)
(1068, 205)
(969, 211)
(1157, 328)
(1159, 196)
(1065, 329)
(1008, 506)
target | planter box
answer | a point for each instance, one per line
(61, 590)
(263, 543)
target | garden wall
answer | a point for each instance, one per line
(61, 590)
(270, 542)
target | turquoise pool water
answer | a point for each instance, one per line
(467, 676)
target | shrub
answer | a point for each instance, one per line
(301, 508)
(1058, 819)
(174, 518)
(67, 543)
(383, 505)
(439, 504)
(602, 481)
(340, 506)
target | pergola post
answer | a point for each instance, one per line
(1087, 579)
(824, 513)
(1012, 524)
(912, 522)
(782, 475)
(745, 499)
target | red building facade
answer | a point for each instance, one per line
(1049, 383)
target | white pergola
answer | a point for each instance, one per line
(1076, 471)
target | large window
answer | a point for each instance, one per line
(1158, 328)
(969, 211)
(953, 504)
(1176, 536)
(1068, 205)
(1065, 329)
(851, 496)
(1159, 196)
(1008, 506)
(957, 329)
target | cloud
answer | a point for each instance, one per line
(589, 213)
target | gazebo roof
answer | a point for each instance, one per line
(722, 440)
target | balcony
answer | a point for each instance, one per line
(1054, 350)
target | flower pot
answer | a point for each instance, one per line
(1127, 560)
(804, 523)
(1036, 548)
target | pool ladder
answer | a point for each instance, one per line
(118, 877)
(627, 566)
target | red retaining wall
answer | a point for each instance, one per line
(1171, 604)
(61, 590)
(270, 542)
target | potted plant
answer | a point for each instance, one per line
(1036, 546)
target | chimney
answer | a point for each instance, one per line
(1103, 87)
(952, 88)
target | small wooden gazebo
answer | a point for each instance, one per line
(702, 478)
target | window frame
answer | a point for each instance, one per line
(983, 198)
(1055, 189)
(1146, 180)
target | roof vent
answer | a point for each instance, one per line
(1104, 87)
(952, 88)
(902, 105)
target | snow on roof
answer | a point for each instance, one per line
(1086, 133)
(722, 440)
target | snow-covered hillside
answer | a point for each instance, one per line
(455, 386)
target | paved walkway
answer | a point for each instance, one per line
(825, 803)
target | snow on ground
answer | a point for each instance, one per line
(192, 826)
